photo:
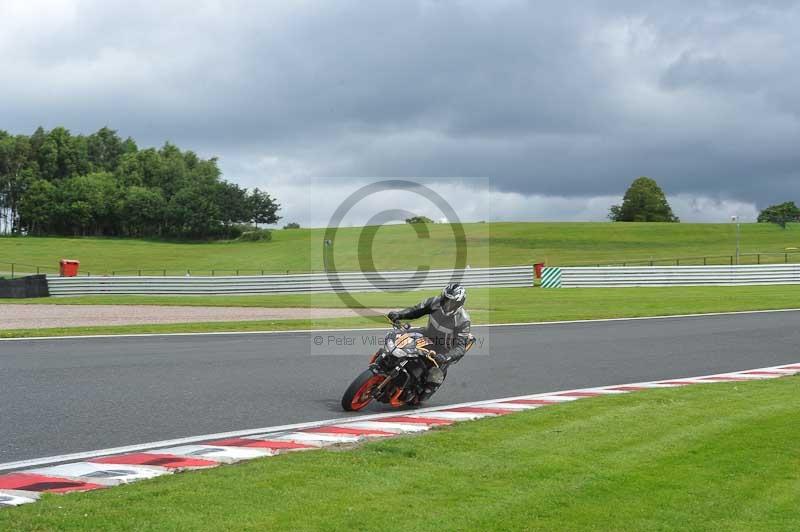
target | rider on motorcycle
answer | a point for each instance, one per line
(448, 328)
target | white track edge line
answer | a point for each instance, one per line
(21, 464)
(293, 331)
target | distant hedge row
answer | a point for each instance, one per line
(56, 183)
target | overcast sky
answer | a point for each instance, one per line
(556, 108)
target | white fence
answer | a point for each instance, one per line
(671, 276)
(301, 283)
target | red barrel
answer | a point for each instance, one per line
(68, 268)
(537, 270)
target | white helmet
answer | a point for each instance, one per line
(453, 298)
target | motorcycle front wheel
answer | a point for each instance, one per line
(359, 393)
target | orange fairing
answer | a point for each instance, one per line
(395, 400)
(423, 342)
(402, 340)
(374, 357)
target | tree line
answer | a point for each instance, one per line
(56, 183)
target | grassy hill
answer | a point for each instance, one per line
(397, 247)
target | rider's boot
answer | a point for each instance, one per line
(430, 389)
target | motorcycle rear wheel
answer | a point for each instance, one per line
(358, 394)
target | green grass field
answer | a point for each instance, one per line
(397, 247)
(711, 457)
(486, 305)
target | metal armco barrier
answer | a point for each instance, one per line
(671, 276)
(287, 284)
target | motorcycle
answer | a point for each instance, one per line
(398, 371)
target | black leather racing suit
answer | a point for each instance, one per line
(449, 333)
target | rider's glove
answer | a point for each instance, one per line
(393, 316)
(441, 359)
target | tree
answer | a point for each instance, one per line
(90, 204)
(419, 220)
(233, 204)
(644, 201)
(263, 209)
(780, 214)
(63, 156)
(143, 211)
(36, 208)
(192, 212)
(17, 172)
(104, 148)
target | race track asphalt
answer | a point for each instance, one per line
(71, 395)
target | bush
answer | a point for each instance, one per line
(256, 235)
(232, 232)
(419, 220)
(292, 225)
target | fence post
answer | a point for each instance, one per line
(237, 273)
(165, 273)
(731, 260)
(705, 261)
(12, 270)
(786, 258)
(758, 258)
(212, 273)
(262, 272)
(677, 262)
(37, 270)
(140, 273)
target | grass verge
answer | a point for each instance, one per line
(711, 457)
(486, 305)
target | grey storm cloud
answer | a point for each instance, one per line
(546, 98)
